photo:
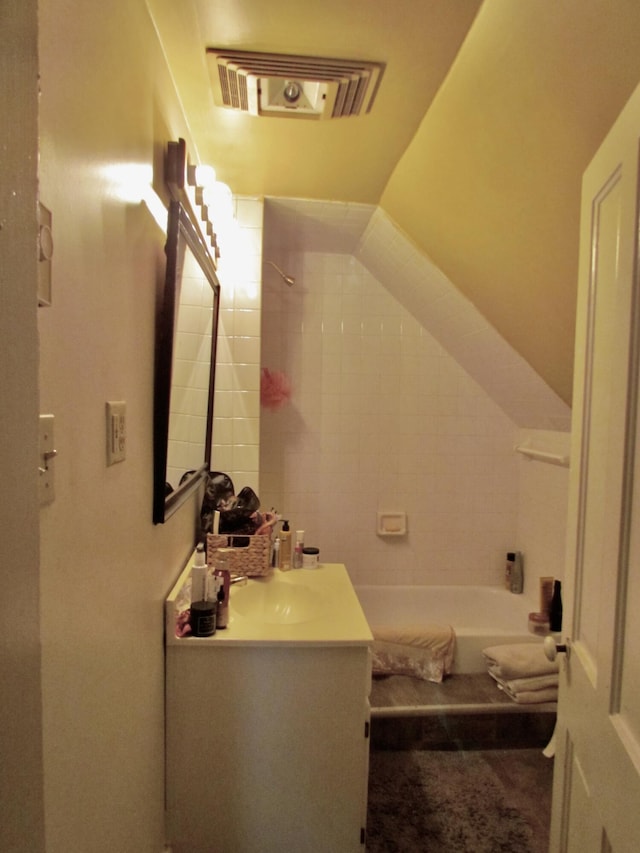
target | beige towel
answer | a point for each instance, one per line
(519, 660)
(526, 691)
(424, 651)
(436, 637)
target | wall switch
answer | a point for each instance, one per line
(116, 431)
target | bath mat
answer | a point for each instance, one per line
(441, 802)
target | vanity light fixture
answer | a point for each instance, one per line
(188, 184)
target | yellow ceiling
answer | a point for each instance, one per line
(486, 117)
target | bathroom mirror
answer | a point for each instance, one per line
(187, 327)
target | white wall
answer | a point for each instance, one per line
(542, 509)
(107, 110)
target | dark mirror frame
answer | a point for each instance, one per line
(182, 235)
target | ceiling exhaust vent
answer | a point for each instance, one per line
(280, 85)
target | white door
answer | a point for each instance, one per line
(596, 796)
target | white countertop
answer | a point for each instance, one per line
(300, 607)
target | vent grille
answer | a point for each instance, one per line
(269, 84)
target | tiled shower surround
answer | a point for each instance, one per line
(236, 427)
(383, 418)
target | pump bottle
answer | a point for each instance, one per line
(285, 547)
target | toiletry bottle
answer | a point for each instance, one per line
(285, 547)
(275, 558)
(199, 575)
(555, 611)
(222, 573)
(517, 574)
(297, 551)
(546, 594)
(222, 612)
(202, 616)
(508, 568)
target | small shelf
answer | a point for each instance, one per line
(543, 455)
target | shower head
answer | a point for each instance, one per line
(286, 278)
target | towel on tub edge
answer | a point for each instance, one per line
(519, 660)
(422, 651)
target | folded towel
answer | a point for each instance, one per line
(535, 682)
(519, 660)
(531, 697)
(526, 691)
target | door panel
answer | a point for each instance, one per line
(596, 800)
(600, 415)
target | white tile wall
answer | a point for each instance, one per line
(187, 426)
(383, 417)
(236, 427)
(542, 510)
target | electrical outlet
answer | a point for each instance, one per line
(116, 431)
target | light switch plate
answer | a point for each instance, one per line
(116, 431)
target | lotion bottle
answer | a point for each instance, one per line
(199, 575)
(517, 574)
(285, 547)
(508, 569)
(297, 551)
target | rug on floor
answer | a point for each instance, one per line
(440, 802)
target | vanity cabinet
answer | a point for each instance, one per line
(268, 735)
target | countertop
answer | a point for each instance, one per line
(310, 607)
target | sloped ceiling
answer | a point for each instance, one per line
(486, 118)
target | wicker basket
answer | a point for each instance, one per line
(250, 555)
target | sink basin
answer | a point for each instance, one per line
(276, 602)
(300, 607)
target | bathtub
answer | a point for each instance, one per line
(480, 615)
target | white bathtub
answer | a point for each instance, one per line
(480, 615)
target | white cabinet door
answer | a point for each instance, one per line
(267, 748)
(596, 801)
